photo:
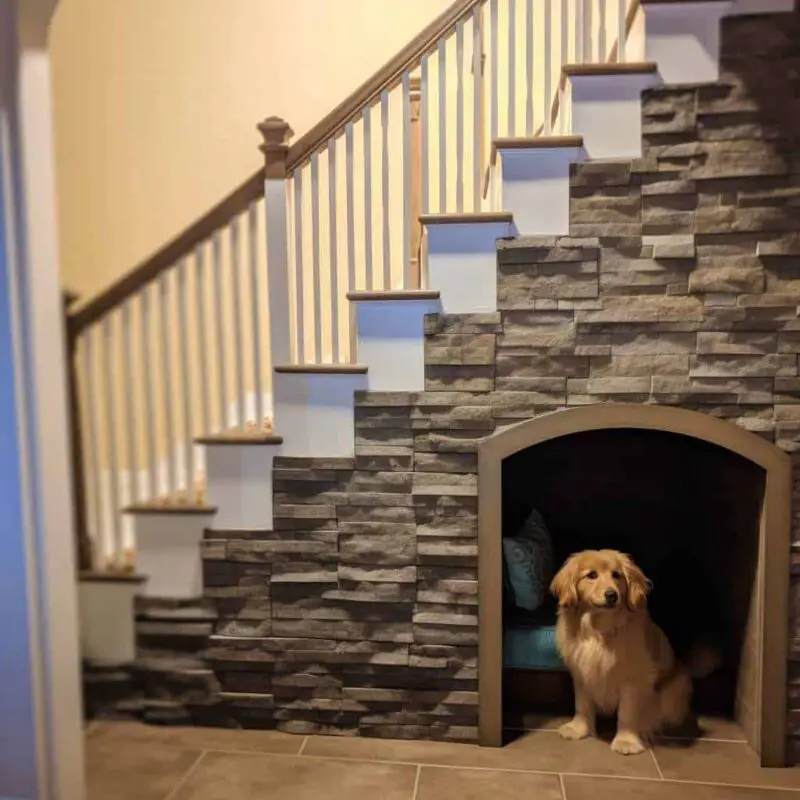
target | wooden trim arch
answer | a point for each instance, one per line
(774, 534)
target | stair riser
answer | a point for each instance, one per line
(168, 552)
(607, 111)
(390, 336)
(535, 188)
(462, 265)
(314, 412)
(684, 40)
(239, 481)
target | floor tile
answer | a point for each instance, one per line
(720, 762)
(577, 788)
(222, 776)
(128, 771)
(536, 751)
(224, 739)
(447, 783)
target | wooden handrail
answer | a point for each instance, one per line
(386, 77)
(182, 245)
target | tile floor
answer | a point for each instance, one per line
(128, 761)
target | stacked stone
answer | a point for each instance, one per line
(348, 597)
(167, 682)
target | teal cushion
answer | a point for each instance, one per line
(531, 648)
(528, 560)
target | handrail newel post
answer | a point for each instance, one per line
(275, 147)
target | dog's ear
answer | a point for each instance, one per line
(565, 583)
(638, 584)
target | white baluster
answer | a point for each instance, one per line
(349, 135)
(442, 77)
(185, 385)
(93, 440)
(368, 196)
(588, 32)
(255, 314)
(548, 72)
(110, 377)
(512, 68)
(493, 36)
(202, 340)
(564, 22)
(276, 133)
(424, 120)
(387, 266)
(460, 154)
(333, 252)
(149, 395)
(299, 279)
(529, 54)
(166, 383)
(477, 108)
(238, 321)
(219, 329)
(601, 31)
(128, 394)
(405, 83)
(315, 259)
(622, 33)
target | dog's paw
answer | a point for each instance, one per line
(575, 729)
(627, 744)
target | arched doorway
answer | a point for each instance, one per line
(771, 532)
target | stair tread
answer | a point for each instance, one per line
(166, 507)
(532, 142)
(474, 216)
(323, 369)
(610, 68)
(395, 294)
(240, 437)
(101, 576)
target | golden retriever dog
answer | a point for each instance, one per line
(619, 659)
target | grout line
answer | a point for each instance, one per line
(662, 738)
(563, 788)
(416, 782)
(655, 761)
(302, 746)
(188, 774)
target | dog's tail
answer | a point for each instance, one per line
(702, 660)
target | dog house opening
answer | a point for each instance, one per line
(686, 510)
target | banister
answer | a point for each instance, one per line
(133, 281)
(386, 77)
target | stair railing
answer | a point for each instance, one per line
(184, 344)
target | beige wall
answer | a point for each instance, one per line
(156, 103)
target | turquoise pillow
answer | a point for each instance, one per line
(528, 560)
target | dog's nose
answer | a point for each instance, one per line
(611, 597)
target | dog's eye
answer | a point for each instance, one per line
(615, 575)
(592, 576)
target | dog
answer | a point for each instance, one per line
(619, 659)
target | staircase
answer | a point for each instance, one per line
(289, 562)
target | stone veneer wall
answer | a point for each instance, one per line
(680, 284)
